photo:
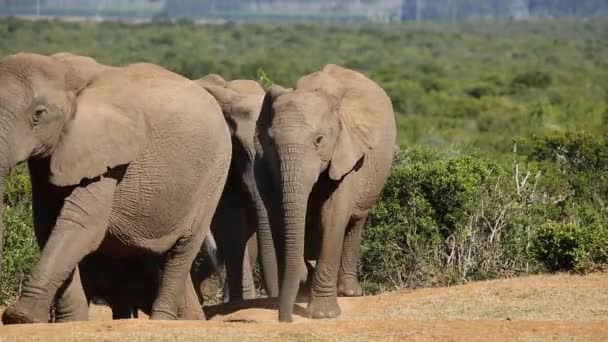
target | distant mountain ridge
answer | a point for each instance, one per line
(371, 10)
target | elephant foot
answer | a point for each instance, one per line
(323, 307)
(72, 314)
(303, 294)
(163, 316)
(192, 315)
(349, 287)
(17, 314)
(77, 317)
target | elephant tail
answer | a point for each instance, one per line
(209, 250)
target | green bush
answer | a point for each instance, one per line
(531, 79)
(20, 247)
(438, 222)
(575, 168)
(451, 218)
(562, 246)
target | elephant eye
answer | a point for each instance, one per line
(318, 140)
(39, 112)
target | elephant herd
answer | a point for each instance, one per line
(135, 168)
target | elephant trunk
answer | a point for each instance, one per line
(294, 198)
(270, 273)
(256, 186)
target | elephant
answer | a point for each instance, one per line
(125, 161)
(329, 146)
(242, 208)
(129, 285)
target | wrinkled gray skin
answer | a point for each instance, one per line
(123, 162)
(242, 211)
(329, 145)
(234, 223)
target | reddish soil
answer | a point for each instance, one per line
(540, 308)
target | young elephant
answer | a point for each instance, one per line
(241, 207)
(127, 285)
(130, 284)
(128, 161)
(329, 145)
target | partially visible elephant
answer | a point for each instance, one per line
(329, 146)
(127, 285)
(125, 161)
(242, 209)
(234, 223)
(130, 284)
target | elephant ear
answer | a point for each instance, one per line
(266, 113)
(211, 79)
(225, 97)
(246, 87)
(106, 130)
(362, 113)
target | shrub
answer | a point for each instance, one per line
(564, 247)
(20, 247)
(481, 90)
(450, 218)
(575, 168)
(531, 79)
(440, 220)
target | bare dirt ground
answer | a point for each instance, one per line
(540, 308)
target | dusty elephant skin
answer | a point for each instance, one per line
(242, 211)
(233, 225)
(123, 161)
(329, 144)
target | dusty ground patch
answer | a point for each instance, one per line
(556, 308)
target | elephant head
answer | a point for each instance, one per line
(319, 129)
(85, 67)
(241, 102)
(43, 116)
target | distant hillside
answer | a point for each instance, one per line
(333, 10)
(382, 10)
(87, 8)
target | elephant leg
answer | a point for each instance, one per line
(348, 285)
(178, 262)
(122, 311)
(72, 304)
(79, 230)
(248, 288)
(229, 230)
(235, 260)
(335, 215)
(190, 307)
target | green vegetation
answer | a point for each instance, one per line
(20, 247)
(448, 218)
(460, 204)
